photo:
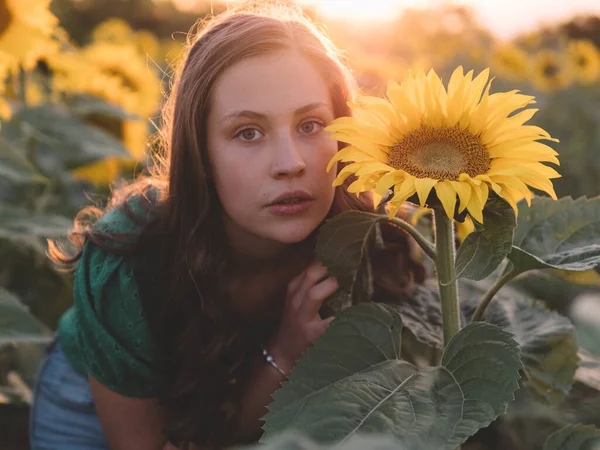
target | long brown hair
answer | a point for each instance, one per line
(203, 349)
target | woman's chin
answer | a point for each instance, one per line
(292, 233)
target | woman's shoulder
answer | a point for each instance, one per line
(123, 224)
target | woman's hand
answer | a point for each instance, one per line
(301, 325)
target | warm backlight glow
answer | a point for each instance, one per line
(365, 10)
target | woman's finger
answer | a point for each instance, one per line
(316, 295)
(313, 274)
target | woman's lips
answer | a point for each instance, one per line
(287, 209)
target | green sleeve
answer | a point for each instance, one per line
(112, 331)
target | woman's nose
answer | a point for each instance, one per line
(287, 158)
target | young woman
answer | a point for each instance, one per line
(190, 276)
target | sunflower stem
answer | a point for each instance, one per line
(22, 85)
(427, 246)
(445, 249)
(489, 295)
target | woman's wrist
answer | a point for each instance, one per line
(277, 359)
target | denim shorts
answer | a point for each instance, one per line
(63, 415)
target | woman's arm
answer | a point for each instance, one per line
(258, 391)
(129, 423)
(299, 328)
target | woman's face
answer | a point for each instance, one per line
(267, 147)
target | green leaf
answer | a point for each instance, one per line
(29, 229)
(351, 381)
(484, 249)
(84, 105)
(485, 362)
(588, 372)
(17, 324)
(14, 166)
(421, 313)
(296, 441)
(574, 437)
(563, 234)
(72, 143)
(547, 340)
(343, 246)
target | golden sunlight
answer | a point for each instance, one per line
(365, 10)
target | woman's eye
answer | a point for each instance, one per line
(311, 127)
(249, 134)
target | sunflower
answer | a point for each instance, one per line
(461, 142)
(114, 30)
(23, 24)
(147, 44)
(72, 74)
(585, 58)
(511, 62)
(126, 64)
(550, 73)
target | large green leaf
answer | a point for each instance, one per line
(14, 166)
(563, 234)
(295, 441)
(17, 324)
(485, 362)
(29, 229)
(61, 140)
(574, 437)
(547, 340)
(343, 246)
(484, 249)
(351, 381)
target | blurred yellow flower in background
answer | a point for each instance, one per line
(114, 30)
(147, 44)
(72, 74)
(511, 62)
(170, 51)
(137, 78)
(550, 72)
(585, 59)
(461, 142)
(23, 24)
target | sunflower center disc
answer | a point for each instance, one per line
(440, 153)
(5, 16)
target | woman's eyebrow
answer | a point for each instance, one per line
(258, 116)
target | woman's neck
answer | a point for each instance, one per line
(250, 253)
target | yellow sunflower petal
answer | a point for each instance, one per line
(475, 206)
(388, 180)
(404, 189)
(447, 195)
(423, 187)
(348, 154)
(534, 151)
(464, 193)
(374, 167)
(350, 169)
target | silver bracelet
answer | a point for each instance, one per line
(271, 361)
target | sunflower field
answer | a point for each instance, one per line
(80, 98)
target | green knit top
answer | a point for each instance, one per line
(105, 333)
